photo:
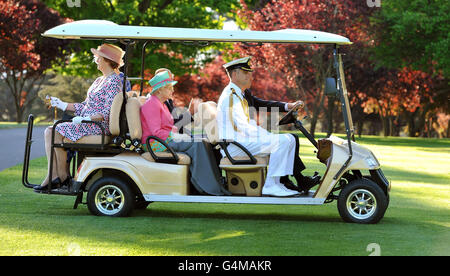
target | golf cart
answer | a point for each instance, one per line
(118, 176)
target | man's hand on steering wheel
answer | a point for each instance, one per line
(292, 114)
(292, 105)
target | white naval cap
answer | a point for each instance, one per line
(242, 63)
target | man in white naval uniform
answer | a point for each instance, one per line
(234, 124)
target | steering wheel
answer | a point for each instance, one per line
(290, 117)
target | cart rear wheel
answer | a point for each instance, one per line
(362, 201)
(110, 196)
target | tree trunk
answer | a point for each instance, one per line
(19, 115)
(315, 116)
(391, 126)
(430, 127)
(360, 126)
(386, 127)
(448, 129)
(17, 86)
(411, 124)
(422, 123)
(330, 115)
(13, 90)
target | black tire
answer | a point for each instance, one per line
(385, 192)
(362, 201)
(110, 196)
(141, 204)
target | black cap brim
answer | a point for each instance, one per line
(243, 66)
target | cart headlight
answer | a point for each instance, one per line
(372, 162)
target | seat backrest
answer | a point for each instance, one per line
(132, 110)
(206, 119)
(114, 115)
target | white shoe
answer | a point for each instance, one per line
(278, 190)
(289, 190)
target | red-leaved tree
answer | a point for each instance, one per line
(396, 93)
(24, 53)
(303, 68)
(210, 80)
(391, 94)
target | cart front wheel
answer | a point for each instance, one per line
(110, 196)
(362, 201)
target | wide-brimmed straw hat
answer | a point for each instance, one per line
(160, 80)
(111, 52)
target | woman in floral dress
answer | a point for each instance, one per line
(96, 107)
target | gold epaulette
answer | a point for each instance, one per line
(244, 104)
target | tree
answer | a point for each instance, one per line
(179, 57)
(413, 33)
(206, 84)
(393, 93)
(396, 93)
(209, 82)
(305, 67)
(71, 89)
(24, 54)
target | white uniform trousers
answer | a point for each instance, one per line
(281, 148)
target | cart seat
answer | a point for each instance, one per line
(114, 125)
(90, 139)
(242, 179)
(206, 119)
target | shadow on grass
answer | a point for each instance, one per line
(405, 142)
(161, 213)
(396, 174)
(393, 141)
(231, 229)
(190, 228)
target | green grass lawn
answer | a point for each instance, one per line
(417, 221)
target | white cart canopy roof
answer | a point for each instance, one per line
(102, 29)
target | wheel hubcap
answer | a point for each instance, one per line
(109, 200)
(361, 204)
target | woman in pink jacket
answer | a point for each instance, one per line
(157, 121)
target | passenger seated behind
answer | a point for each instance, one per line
(157, 121)
(96, 107)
